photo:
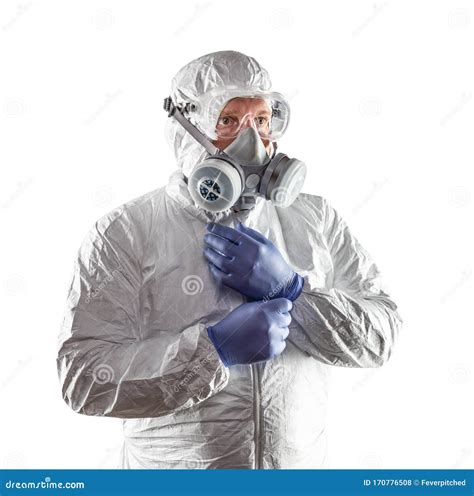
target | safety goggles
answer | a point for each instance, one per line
(218, 115)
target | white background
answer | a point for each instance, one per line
(382, 106)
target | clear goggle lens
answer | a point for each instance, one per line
(270, 117)
(229, 126)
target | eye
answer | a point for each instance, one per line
(226, 121)
(261, 121)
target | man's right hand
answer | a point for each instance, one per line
(253, 332)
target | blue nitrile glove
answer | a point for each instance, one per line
(253, 332)
(245, 260)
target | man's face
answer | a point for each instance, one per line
(240, 113)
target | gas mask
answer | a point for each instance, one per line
(235, 176)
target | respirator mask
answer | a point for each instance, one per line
(242, 170)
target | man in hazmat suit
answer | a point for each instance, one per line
(206, 314)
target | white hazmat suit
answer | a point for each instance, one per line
(134, 343)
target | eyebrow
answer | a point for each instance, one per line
(233, 113)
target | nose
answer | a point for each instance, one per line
(247, 121)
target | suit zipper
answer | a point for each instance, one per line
(257, 415)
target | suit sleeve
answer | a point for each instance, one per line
(105, 366)
(355, 322)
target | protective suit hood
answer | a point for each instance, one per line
(206, 73)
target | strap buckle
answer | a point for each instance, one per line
(169, 106)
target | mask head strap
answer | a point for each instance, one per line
(177, 113)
